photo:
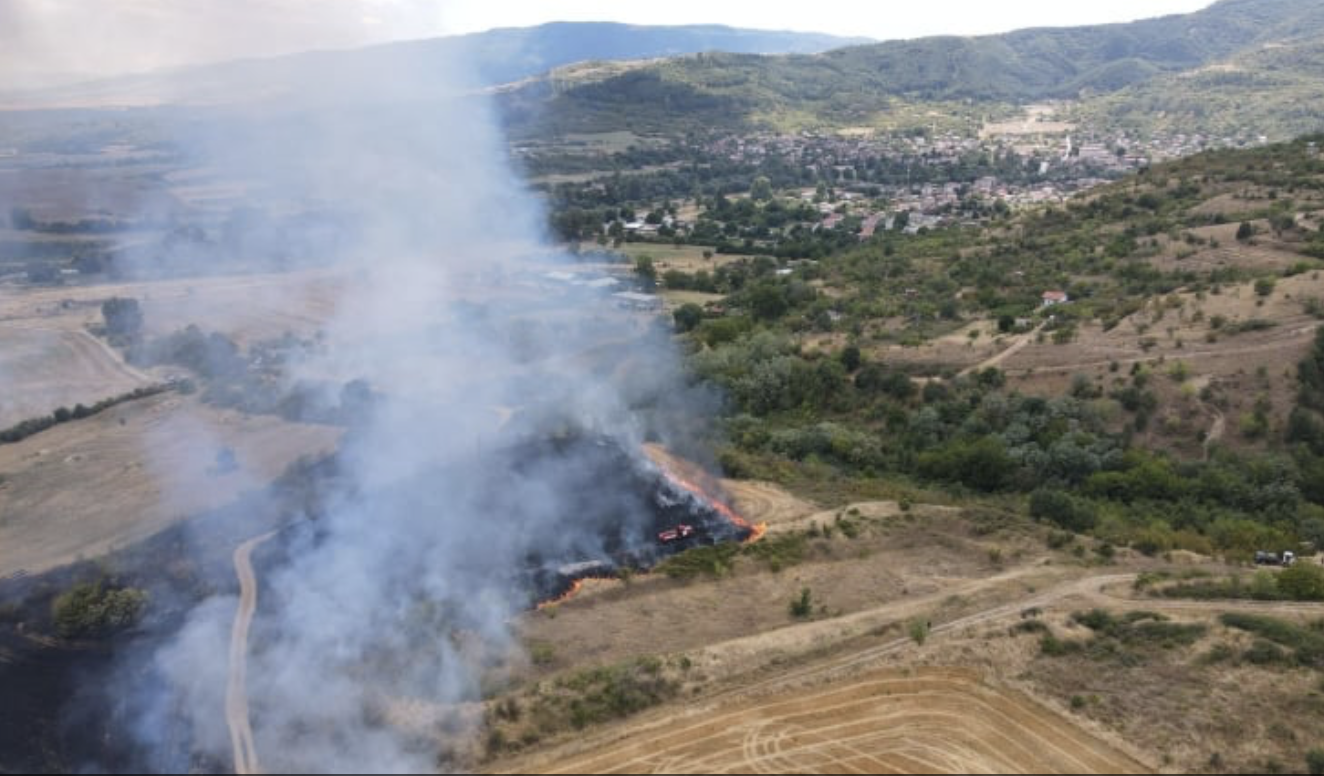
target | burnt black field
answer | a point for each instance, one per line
(620, 505)
(78, 707)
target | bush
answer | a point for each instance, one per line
(1264, 653)
(851, 358)
(1302, 582)
(91, 610)
(1063, 510)
(803, 606)
(688, 317)
(919, 631)
(603, 694)
(1307, 642)
(878, 379)
(124, 319)
(982, 464)
(1315, 762)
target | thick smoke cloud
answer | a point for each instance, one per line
(390, 604)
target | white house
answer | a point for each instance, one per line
(1055, 298)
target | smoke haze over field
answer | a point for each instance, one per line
(399, 592)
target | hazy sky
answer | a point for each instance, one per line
(110, 36)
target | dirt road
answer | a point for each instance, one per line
(1022, 341)
(236, 693)
(855, 712)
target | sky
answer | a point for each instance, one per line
(107, 37)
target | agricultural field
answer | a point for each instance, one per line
(86, 488)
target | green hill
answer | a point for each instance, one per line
(483, 59)
(1276, 91)
(869, 83)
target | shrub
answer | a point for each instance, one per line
(688, 317)
(919, 631)
(124, 319)
(851, 358)
(1063, 510)
(615, 692)
(1315, 762)
(982, 464)
(1302, 582)
(803, 606)
(91, 610)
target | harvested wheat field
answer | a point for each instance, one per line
(922, 721)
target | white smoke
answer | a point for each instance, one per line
(399, 594)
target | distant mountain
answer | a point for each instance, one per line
(493, 58)
(859, 84)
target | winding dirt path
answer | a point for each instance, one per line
(236, 692)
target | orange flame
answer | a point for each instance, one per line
(575, 586)
(756, 532)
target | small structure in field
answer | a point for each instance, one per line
(1055, 298)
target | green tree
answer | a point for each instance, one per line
(768, 301)
(851, 358)
(89, 610)
(688, 317)
(1063, 510)
(643, 267)
(123, 317)
(982, 464)
(761, 191)
(1245, 231)
(676, 280)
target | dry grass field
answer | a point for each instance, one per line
(923, 721)
(88, 487)
(853, 690)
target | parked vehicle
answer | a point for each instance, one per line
(678, 534)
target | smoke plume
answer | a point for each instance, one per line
(471, 456)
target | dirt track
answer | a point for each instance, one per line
(852, 713)
(930, 720)
(236, 691)
(1023, 341)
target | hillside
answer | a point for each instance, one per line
(482, 59)
(860, 84)
(1277, 89)
(1161, 397)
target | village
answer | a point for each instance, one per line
(831, 188)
